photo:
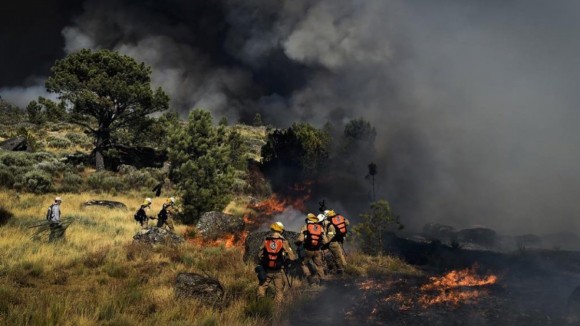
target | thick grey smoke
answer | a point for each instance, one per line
(473, 101)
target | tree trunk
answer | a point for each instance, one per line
(99, 159)
(103, 136)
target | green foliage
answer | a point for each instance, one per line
(201, 165)
(36, 181)
(10, 113)
(58, 142)
(71, 183)
(224, 122)
(238, 150)
(371, 232)
(359, 136)
(262, 308)
(35, 113)
(295, 154)
(106, 92)
(258, 120)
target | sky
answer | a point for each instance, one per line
(474, 102)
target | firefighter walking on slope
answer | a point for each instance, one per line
(274, 257)
(336, 232)
(313, 237)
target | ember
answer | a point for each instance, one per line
(228, 241)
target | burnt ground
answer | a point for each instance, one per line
(533, 288)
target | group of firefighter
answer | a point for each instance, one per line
(164, 217)
(321, 233)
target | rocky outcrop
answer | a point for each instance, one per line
(255, 242)
(191, 285)
(15, 144)
(155, 235)
(479, 236)
(106, 203)
(439, 231)
(214, 225)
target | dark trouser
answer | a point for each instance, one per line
(56, 232)
(161, 222)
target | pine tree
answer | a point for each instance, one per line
(258, 120)
(201, 166)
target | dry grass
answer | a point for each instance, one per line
(97, 276)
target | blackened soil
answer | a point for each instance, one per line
(533, 289)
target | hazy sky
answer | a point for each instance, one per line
(474, 101)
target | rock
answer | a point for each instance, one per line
(255, 242)
(15, 144)
(106, 203)
(190, 285)
(440, 231)
(155, 235)
(479, 236)
(213, 225)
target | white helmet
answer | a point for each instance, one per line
(148, 200)
(321, 217)
(326, 212)
(57, 199)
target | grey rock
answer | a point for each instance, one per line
(214, 225)
(478, 236)
(155, 235)
(255, 242)
(440, 231)
(191, 285)
(106, 203)
(15, 144)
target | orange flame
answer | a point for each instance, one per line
(228, 241)
(447, 287)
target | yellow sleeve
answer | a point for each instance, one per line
(289, 250)
(301, 235)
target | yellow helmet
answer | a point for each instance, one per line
(147, 201)
(330, 213)
(170, 201)
(312, 218)
(277, 227)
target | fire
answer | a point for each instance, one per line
(455, 287)
(228, 241)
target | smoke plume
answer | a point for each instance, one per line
(473, 102)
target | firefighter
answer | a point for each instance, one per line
(165, 216)
(274, 257)
(141, 214)
(56, 228)
(313, 237)
(336, 232)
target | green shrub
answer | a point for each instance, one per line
(71, 183)
(51, 167)
(77, 138)
(58, 142)
(139, 179)
(263, 307)
(16, 159)
(6, 177)
(35, 181)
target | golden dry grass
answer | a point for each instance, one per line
(98, 276)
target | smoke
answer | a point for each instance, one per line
(474, 102)
(22, 95)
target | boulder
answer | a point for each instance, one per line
(106, 203)
(479, 236)
(191, 285)
(255, 242)
(214, 225)
(439, 231)
(15, 144)
(155, 235)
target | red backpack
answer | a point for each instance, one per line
(314, 236)
(273, 258)
(339, 224)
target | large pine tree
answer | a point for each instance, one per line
(201, 165)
